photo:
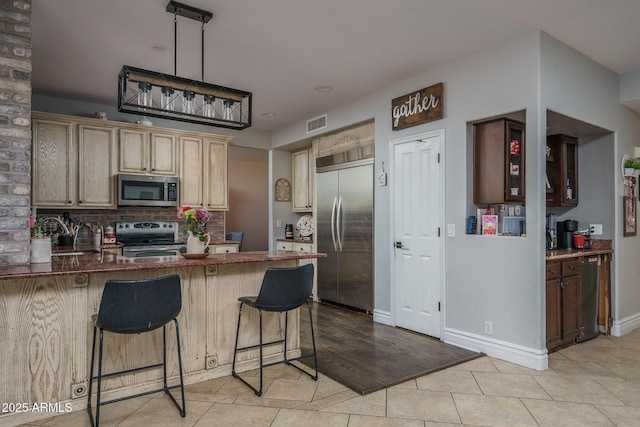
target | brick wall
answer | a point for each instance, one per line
(15, 130)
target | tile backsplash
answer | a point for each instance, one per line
(106, 217)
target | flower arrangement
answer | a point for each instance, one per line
(196, 221)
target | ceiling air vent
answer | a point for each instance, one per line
(316, 124)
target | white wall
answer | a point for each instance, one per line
(578, 87)
(484, 277)
(502, 279)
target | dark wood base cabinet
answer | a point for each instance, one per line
(564, 303)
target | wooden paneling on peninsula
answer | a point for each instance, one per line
(46, 325)
(75, 160)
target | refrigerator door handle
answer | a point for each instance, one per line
(333, 224)
(339, 223)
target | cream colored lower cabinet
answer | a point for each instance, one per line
(284, 246)
(305, 248)
(221, 249)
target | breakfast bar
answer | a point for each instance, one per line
(46, 330)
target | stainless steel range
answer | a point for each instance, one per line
(148, 239)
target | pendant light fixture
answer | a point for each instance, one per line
(150, 93)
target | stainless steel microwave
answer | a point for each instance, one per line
(148, 190)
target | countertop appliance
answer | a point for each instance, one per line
(148, 190)
(344, 228)
(565, 233)
(148, 239)
(590, 293)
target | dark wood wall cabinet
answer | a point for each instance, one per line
(498, 162)
(562, 170)
(564, 303)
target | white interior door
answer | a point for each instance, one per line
(416, 220)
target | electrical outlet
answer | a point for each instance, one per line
(595, 229)
(278, 223)
(488, 327)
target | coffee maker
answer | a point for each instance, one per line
(565, 233)
(552, 232)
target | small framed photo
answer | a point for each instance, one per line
(629, 209)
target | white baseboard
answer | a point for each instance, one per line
(626, 325)
(514, 353)
(383, 317)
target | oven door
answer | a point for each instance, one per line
(150, 251)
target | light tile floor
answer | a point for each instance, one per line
(596, 383)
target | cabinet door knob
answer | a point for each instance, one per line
(144, 169)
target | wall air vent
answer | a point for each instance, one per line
(316, 124)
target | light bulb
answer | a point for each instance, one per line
(144, 96)
(167, 98)
(228, 109)
(207, 109)
(189, 103)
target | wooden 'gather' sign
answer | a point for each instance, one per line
(416, 108)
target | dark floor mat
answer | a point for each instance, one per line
(367, 356)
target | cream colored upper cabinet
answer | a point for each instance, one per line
(163, 153)
(147, 152)
(191, 178)
(54, 169)
(96, 166)
(73, 163)
(75, 160)
(303, 180)
(215, 173)
(203, 172)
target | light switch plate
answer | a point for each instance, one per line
(451, 230)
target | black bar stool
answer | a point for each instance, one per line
(133, 307)
(282, 289)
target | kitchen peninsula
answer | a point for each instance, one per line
(46, 331)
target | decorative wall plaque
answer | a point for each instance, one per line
(283, 190)
(417, 108)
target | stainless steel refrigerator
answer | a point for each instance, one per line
(344, 230)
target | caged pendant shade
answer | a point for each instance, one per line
(155, 94)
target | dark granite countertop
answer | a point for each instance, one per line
(598, 247)
(297, 240)
(100, 262)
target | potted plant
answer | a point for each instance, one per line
(631, 167)
(40, 244)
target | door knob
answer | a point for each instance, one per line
(398, 245)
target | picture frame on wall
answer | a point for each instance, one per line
(282, 191)
(630, 217)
